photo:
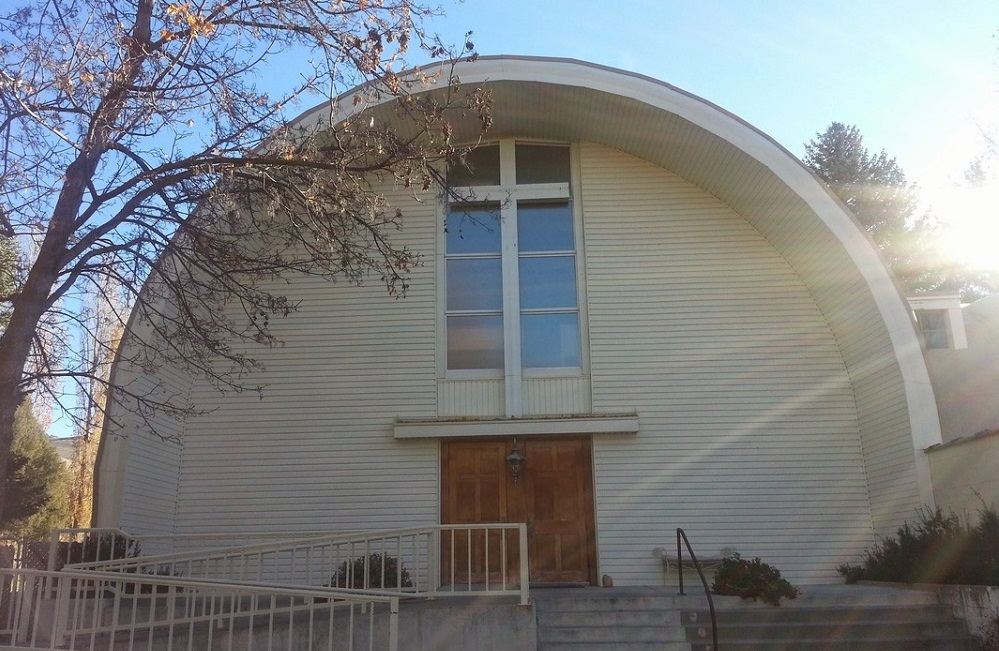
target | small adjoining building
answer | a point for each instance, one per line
(962, 351)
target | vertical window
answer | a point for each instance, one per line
(510, 262)
(933, 323)
(549, 312)
(474, 287)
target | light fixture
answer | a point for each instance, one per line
(515, 462)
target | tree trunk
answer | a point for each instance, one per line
(31, 303)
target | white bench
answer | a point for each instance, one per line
(709, 564)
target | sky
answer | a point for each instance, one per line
(916, 77)
(919, 78)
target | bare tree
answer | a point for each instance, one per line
(138, 148)
(100, 333)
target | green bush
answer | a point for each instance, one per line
(381, 572)
(751, 580)
(990, 635)
(96, 546)
(937, 549)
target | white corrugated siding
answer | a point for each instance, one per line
(139, 460)
(749, 428)
(750, 432)
(316, 452)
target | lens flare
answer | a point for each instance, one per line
(969, 220)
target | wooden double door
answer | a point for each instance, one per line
(554, 496)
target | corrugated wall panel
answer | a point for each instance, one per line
(555, 395)
(151, 476)
(471, 398)
(750, 433)
(316, 451)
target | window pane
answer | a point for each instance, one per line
(475, 342)
(481, 167)
(473, 228)
(475, 284)
(548, 282)
(542, 164)
(549, 340)
(933, 323)
(544, 226)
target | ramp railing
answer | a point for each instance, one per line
(89, 610)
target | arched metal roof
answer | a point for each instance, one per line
(568, 100)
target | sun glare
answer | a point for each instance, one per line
(969, 225)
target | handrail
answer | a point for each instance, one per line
(697, 566)
(312, 560)
(177, 604)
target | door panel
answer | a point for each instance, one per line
(474, 491)
(554, 496)
(559, 502)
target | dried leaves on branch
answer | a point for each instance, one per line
(141, 147)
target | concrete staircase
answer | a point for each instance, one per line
(884, 628)
(823, 618)
(594, 619)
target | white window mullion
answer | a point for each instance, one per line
(513, 388)
(511, 313)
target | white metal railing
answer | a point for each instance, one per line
(442, 560)
(68, 546)
(90, 610)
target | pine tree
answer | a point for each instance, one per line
(35, 496)
(875, 189)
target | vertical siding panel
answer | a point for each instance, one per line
(141, 453)
(749, 427)
(316, 451)
(471, 398)
(556, 396)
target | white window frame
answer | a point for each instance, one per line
(507, 194)
(950, 305)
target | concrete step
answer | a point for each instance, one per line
(864, 628)
(597, 618)
(761, 614)
(902, 644)
(605, 634)
(598, 621)
(833, 630)
(615, 646)
(825, 618)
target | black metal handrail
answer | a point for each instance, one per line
(697, 566)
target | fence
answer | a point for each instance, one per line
(326, 591)
(443, 560)
(80, 610)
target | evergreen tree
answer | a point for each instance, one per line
(8, 276)
(874, 187)
(35, 496)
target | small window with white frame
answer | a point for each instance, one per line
(940, 319)
(933, 324)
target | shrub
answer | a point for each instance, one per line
(751, 580)
(381, 572)
(989, 636)
(96, 546)
(937, 549)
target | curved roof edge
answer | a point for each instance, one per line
(740, 135)
(762, 148)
